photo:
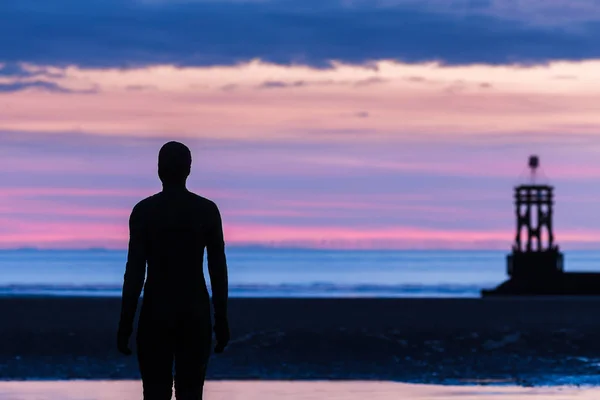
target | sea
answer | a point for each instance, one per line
(274, 272)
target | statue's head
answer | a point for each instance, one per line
(174, 163)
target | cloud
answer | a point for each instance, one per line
(280, 84)
(358, 193)
(21, 70)
(304, 83)
(267, 100)
(455, 87)
(14, 70)
(565, 77)
(43, 85)
(330, 82)
(122, 33)
(370, 81)
(229, 87)
(16, 77)
(136, 88)
(416, 79)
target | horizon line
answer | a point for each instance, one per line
(301, 248)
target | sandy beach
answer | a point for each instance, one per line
(451, 341)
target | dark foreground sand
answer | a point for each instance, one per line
(527, 341)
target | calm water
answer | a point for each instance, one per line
(278, 272)
(76, 390)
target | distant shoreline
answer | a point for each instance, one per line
(409, 340)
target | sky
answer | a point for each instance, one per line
(346, 124)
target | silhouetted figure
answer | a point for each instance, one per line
(169, 232)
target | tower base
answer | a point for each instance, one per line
(560, 284)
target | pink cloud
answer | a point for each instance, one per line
(427, 168)
(399, 237)
(191, 102)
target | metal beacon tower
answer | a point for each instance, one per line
(534, 252)
(536, 266)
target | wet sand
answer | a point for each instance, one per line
(523, 341)
(119, 390)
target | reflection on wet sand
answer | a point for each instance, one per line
(250, 390)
